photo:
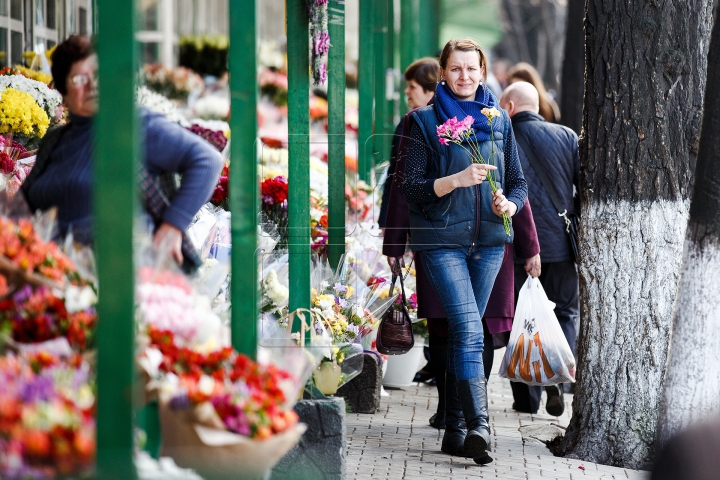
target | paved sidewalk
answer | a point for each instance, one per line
(398, 443)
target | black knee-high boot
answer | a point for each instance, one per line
(472, 394)
(438, 359)
(454, 437)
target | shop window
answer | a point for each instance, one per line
(16, 9)
(82, 21)
(51, 15)
(16, 48)
(4, 53)
(150, 52)
(40, 12)
(150, 18)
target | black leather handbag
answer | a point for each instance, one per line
(572, 220)
(395, 335)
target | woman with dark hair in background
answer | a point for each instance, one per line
(524, 72)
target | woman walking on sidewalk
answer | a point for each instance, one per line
(456, 221)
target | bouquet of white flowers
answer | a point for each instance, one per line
(47, 98)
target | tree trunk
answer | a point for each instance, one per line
(645, 78)
(692, 392)
(572, 82)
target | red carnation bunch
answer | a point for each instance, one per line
(274, 190)
(216, 138)
(7, 165)
(220, 194)
(246, 395)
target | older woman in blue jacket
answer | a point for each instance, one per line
(63, 173)
(456, 222)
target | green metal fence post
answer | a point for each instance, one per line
(381, 34)
(243, 175)
(299, 154)
(429, 23)
(336, 132)
(116, 141)
(408, 42)
(366, 88)
(391, 45)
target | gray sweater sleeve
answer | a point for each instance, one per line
(171, 148)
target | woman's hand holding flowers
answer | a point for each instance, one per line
(473, 175)
(502, 205)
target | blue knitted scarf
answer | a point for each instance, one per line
(448, 106)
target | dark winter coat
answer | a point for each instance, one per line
(556, 150)
(501, 309)
(382, 218)
(463, 217)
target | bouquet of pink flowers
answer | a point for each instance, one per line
(461, 133)
(167, 301)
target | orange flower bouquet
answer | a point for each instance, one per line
(26, 259)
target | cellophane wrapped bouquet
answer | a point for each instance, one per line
(202, 382)
(27, 108)
(47, 324)
(47, 417)
(349, 310)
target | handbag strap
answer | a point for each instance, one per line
(395, 274)
(544, 180)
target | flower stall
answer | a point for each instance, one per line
(80, 361)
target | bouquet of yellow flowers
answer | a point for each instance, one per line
(20, 113)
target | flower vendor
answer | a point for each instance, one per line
(62, 175)
(459, 222)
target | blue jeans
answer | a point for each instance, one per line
(463, 280)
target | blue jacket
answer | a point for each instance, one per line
(464, 217)
(556, 150)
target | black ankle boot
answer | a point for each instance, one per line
(454, 437)
(438, 420)
(473, 399)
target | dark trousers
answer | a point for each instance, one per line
(560, 282)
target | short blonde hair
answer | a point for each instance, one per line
(463, 45)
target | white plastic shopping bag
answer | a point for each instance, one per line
(538, 353)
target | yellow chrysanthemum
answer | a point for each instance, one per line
(34, 74)
(19, 113)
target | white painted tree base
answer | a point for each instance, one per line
(630, 259)
(692, 383)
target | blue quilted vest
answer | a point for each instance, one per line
(464, 217)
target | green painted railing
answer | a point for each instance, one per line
(336, 132)
(408, 42)
(382, 61)
(299, 154)
(366, 87)
(116, 142)
(243, 175)
(429, 27)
